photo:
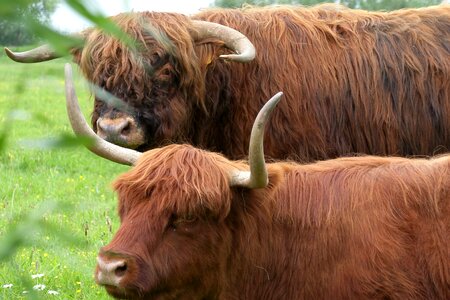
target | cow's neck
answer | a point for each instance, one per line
(258, 239)
(222, 128)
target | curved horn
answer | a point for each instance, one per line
(39, 54)
(81, 128)
(233, 39)
(257, 177)
(44, 52)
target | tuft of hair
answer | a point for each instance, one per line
(179, 179)
(331, 190)
(108, 62)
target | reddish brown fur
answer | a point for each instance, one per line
(349, 228)
(354, 81)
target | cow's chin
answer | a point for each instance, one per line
(116, 292)
(160, 294)
(124, 293)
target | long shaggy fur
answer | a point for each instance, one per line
(354, 81)
(350, 228)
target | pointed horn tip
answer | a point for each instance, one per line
(273, 101)
(233, 39)
(277, 97)
(9, 53)
(239, 57)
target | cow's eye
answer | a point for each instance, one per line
(180, 222)
(158, 60)
(187, 219)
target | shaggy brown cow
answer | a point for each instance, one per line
(354, 81)
(195, 225)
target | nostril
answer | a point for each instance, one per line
(121, 270)
(100, 125)
(122, 127)
(110, 271)
(126, 128)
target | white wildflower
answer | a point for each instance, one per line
(7, 286)
(36, 276)
(51, 292)
(39, 287)
(25, 292)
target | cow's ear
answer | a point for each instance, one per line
(209, 49)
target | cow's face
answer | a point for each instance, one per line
(141, 91)
(155, 110)
(163, 257)
(173, 241)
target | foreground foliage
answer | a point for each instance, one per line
(15, 16)
(56, 204)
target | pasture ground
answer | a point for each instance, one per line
(56, 204)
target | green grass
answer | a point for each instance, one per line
(56, 205)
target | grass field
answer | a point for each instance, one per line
(56, 205)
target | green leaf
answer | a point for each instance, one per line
(61, 141)
(101, 22)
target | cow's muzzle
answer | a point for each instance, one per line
(110, 271)
(123, 131)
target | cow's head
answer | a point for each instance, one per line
(173, 241)
(146, 88)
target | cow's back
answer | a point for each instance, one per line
(384, 226)
(354, 81)
(358, 228)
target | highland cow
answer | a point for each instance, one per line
(195, 225)
(354, 81)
